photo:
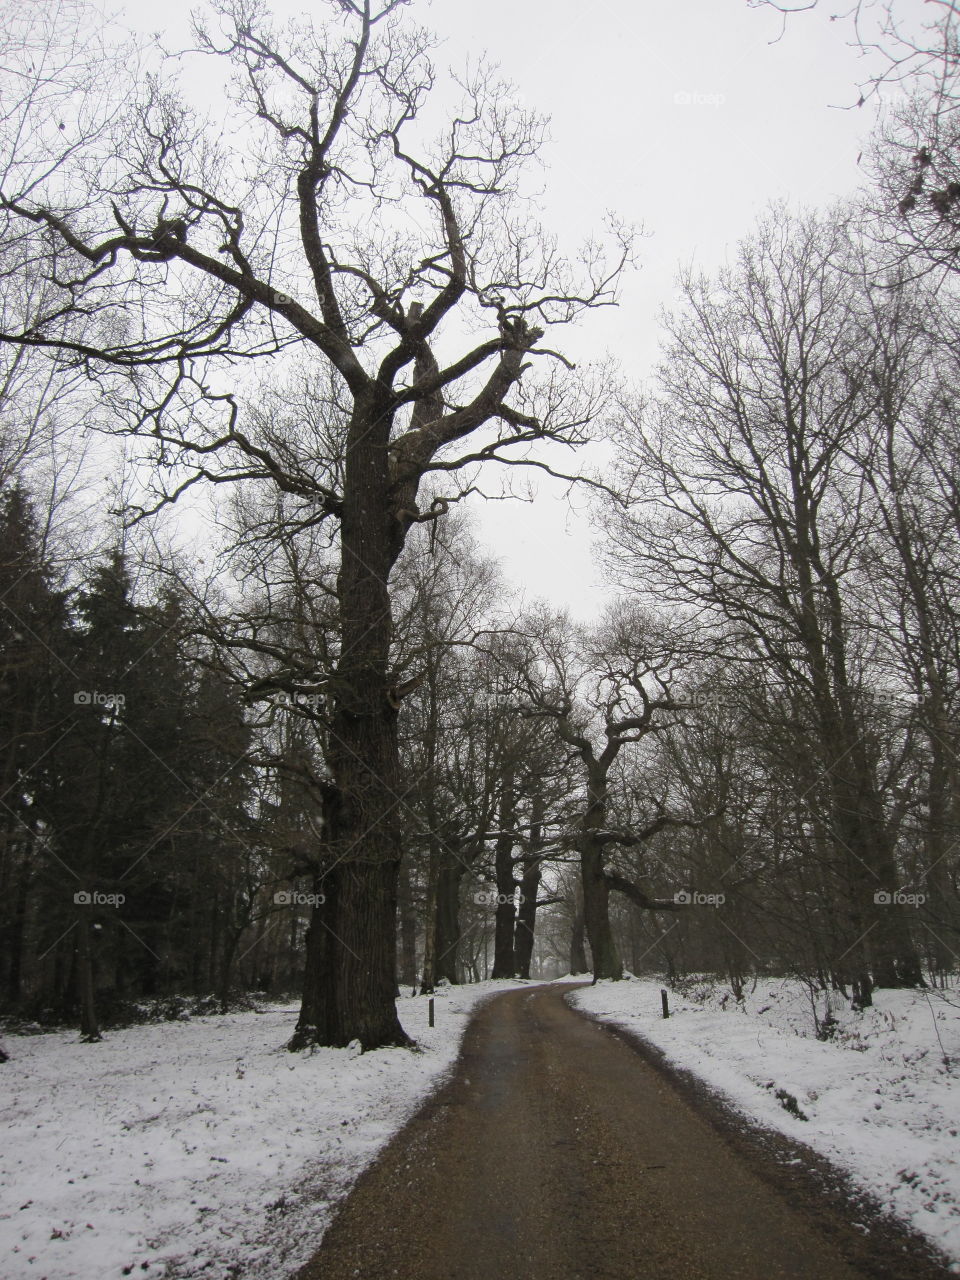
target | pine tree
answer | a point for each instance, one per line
(33, 623)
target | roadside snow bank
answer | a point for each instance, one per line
(877, 1098)
(199, 1148)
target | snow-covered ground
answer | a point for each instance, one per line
(198, 1148)
(878, 1098)
(203, 1148)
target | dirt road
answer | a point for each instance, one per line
(557, 1152)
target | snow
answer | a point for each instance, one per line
(199, 1148)
(204, 1148)
(879, 1100)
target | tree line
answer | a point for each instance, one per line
(335, 754)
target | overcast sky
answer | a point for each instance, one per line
(686, 117)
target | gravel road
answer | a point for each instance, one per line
(557, 1152)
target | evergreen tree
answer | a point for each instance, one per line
(32, 641)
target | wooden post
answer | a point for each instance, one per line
(430, 1012)
(663, 1001)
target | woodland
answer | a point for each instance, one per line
(271, 719)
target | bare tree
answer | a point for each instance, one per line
(913, 155)
(911, 461)
(751, 505)
(607, 689)
(332, 227)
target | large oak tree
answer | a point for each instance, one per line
(334, 216)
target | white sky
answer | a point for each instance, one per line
(685, 116)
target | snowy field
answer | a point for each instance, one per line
(879, 1100)
(198, 1148)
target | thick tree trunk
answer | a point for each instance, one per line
(506, 885)
(858, 816)
(865, 845)
(448, 921)
(357, 999)
(366, 976)
(605, 959)
(350, 981)
(863, 848)
(503, 939)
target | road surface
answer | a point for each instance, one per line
(557, 1152)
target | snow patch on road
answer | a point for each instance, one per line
(199, 1148)
(878, 1098)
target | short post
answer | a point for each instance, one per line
(430, 1012)
(663, 1001)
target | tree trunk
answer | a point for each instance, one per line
(506, 885)
(428, 980)
(366, 973)
(596, 891)
(226, 968)
(408, 928)
(356, 1000)
(578, 952)
(937, 882)
(865, 846)
(527, 917)
(529, 889)
(858, 818)
(350, 983)
(448, 921)
(89, 1026)
(213, 945)
(259, 954)
(596, 914)
(315, 1024)
(16, 937)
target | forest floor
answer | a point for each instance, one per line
(559, 1151)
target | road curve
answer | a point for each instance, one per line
(556, 1152)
